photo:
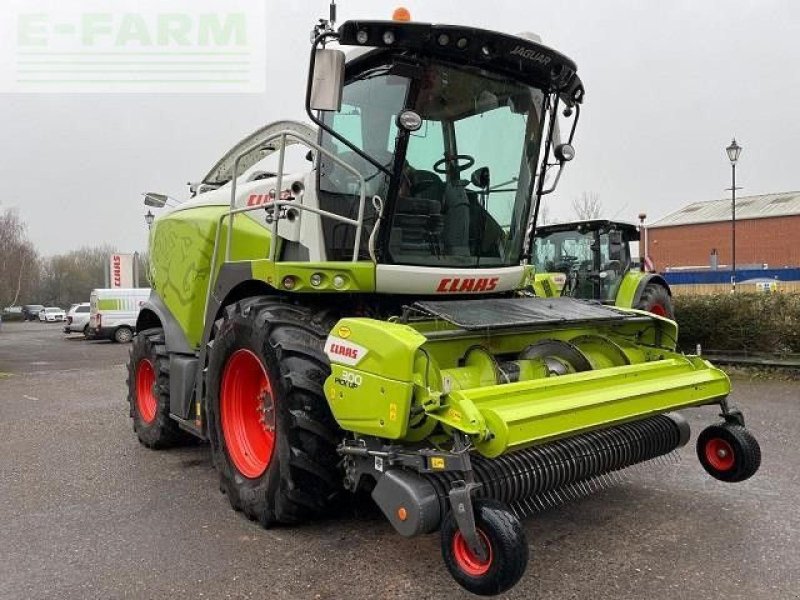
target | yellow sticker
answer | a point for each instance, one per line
(344, 331)
(437, 462)
(393, 411)
(454, 414)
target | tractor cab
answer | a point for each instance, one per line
(451, 131)
(586, 259)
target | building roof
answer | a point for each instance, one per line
(747, 207)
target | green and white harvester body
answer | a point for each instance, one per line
(367, 325)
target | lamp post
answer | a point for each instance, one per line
(149, 218)
(643, 254)
(734, 150)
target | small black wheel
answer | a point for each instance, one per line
(728, 452)
(504, 540)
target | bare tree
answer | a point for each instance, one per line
(587, 206)
(19, 262)
(71, 277)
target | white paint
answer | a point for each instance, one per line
(344, 352)
(404, 279)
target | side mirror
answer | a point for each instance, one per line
(481, 178)
(327, 81)
(155, 200)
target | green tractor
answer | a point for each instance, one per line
(363, 325)
(593, 260)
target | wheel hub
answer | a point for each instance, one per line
(247, 413)
(467, 560)
(146, 399)
(719, 454)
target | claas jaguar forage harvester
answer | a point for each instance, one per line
(367, 325)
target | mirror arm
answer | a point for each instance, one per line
(561, 164)
(320, 39)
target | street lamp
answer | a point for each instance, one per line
(734, 150)
(643, 254)
(149, 218)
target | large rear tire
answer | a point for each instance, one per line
(656, 299)
(273, 437)
(148, 391)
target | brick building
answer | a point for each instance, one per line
(699, 235)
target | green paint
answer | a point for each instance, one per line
(358, 277)
(627, 290)
(456, 384)
(181, 245)
(109, 304)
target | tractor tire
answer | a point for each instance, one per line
(656, 299)
(273, 437)
(728, 452)
(148, 391)
(504, 539)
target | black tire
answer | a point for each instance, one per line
(123, 335)
(507, 546)
(728, 452)
(656, 299)
(156, 431)
(302, 476)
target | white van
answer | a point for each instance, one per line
(113, 312)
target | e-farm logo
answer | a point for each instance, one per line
(166, 46)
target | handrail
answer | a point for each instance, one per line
(283, 135)
(276, 205)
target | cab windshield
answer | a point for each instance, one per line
(594, 261)
(460, 185)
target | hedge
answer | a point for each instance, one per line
(741, 322)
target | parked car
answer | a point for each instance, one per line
(52, 314)
(12, 313)
(78, 319)
(114, 312)
(30, 312)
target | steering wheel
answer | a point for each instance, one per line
(441, 164)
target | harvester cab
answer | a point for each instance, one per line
(363, 324)
(593, 260)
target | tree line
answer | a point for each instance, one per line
(26, 277)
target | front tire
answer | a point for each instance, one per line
(728, 452)
(272, 434)
(656, 299)
(148, 391)
(504, 541)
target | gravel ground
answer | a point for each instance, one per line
(89, 513)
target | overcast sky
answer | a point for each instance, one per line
(667, 85)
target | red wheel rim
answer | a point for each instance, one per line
(146, 401)
(719, 454)
(658, 309)
(247, 413)
(466, 559)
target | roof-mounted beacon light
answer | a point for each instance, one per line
(402, 14)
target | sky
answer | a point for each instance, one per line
(667, 86)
